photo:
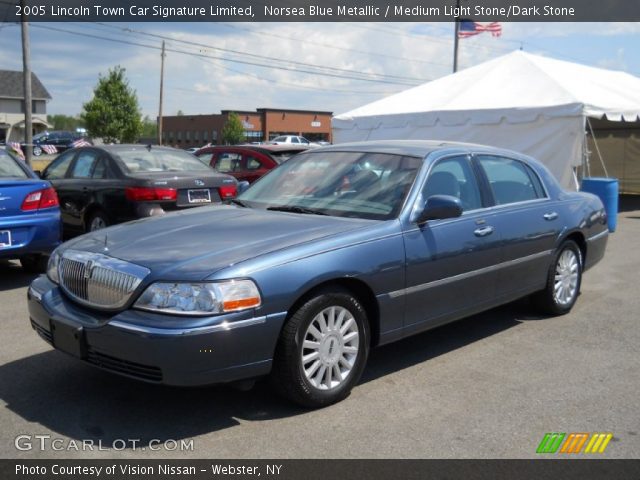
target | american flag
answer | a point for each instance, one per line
(468, 28)
(81, 142)
(15, 146)
(50, 149)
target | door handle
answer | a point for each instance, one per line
(550, 216)
(483, 232)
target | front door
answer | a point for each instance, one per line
(450, 263)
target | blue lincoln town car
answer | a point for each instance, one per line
(336, 251)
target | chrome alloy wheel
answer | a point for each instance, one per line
(330, 347)
(565, 285)
(97, 223)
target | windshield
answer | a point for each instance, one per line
(160, 160)
(9, 168)
(344, 184)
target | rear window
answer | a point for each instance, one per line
(159, 160)
(9, 168)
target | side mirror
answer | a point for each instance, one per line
(242, 186)
(439, 207)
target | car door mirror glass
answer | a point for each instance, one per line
(439, 207)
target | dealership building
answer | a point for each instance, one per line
(264, 124)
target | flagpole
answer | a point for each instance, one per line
(455, 38)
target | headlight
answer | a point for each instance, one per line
(201, 298)
(52, 267)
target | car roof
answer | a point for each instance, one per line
(415, 148)
(115, 148)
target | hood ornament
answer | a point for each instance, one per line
(106, 248)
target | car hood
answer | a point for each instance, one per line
(193, 244)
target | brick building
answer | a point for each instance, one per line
(184, 131)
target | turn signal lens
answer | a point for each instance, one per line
(150, 194)
(228, 191)
(40, 199)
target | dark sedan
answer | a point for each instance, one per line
(101, 186)
(336, 251)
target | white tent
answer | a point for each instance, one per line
(535, 105)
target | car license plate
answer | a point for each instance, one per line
(69, 339)
(200, 195)
(5, 238)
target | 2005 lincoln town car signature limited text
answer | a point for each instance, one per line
(337, 250)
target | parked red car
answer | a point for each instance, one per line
(246, 162)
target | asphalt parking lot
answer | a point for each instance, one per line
(489, 386)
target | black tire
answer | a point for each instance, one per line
(34, 263)
(95, 219)
(37, 151)
(288, 375)
(547, 300)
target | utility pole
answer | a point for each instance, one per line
(161, 94)
(26, 73)
(456, 31)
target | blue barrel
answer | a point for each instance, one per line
(607, 190)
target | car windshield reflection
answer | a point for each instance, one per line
(346, 184)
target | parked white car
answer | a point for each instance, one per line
(292, 140)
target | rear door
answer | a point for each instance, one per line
(254, 168)
(450, 263)
(56, 173)
(528, 221)
(80, 187)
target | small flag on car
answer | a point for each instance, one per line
(50, 149)
(15, 147)
(81, 142)
(469, 28)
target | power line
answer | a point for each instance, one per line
(335, 47)
(263, 57)
(244, 62)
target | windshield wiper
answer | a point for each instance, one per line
(295, 209)
(239, 203)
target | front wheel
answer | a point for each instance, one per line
(563, 281)
(34, 263)
(97, 221)
(322, 350)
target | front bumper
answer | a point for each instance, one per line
(133, 343)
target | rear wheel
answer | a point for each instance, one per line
(34, 263)
(97, 221)
(322, 350)
(563, 281)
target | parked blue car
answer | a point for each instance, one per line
(336, 251)
(30, 226)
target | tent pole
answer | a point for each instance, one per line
(455, 38)
(595, 142)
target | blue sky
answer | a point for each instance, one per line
(405, 53)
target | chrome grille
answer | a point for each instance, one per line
(98, 280)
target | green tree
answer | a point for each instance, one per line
(113, 112)
(233, 130)
(64, 122)
(149, 127)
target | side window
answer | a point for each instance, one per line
(59, 167)
(294, 140)
(205, 158)
(228, 162)
(454, 176)
(253, 164)
(101, 169)
(511, 180)
(84, 164)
